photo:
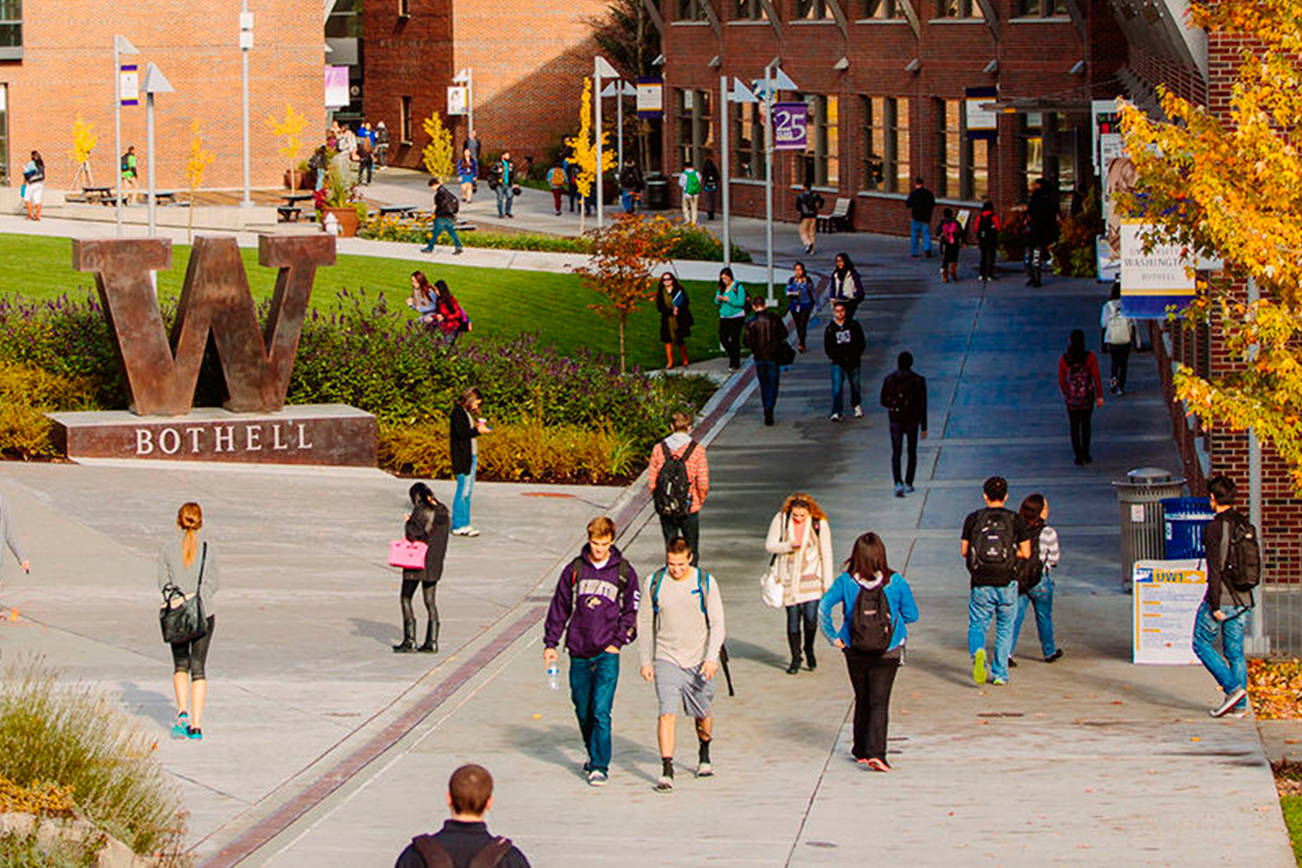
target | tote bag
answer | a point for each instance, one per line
(408, 554)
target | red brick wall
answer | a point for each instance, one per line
(67, 66)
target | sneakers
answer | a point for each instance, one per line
(979, 666)
(1012, 664)
(597, 778)
(1238, 712)
(1056, 655)
(664, 783)
(468, 530)
(835, 417)
(705, 770)
(194, 733)
(1232, 699)
(998, 682)
(908, 489)
(182, 724)
(858, 412)
(878, 765)
(899, 489)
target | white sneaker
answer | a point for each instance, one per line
(1231, 699)
(597, 778)
(705, 770)
(835, 417)
(468, 530)
(664, 783)
(858, 412)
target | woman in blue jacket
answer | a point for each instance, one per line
(800, 301)
(731, 299)
(872, 673)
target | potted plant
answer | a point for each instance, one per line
(341, 200)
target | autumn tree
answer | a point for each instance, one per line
(196, 164)
(1233, 190)
(289, 130)
(626, 252)
(437, 155)
(583, 148)
(83, 145)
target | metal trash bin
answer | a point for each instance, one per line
(1185, 518)
(657, 192)
(1143, 528)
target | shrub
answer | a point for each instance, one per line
(29, 394)
(698, 243)
(64, 337)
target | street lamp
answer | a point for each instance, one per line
(739, 94)
(155, 82)
(246, 43)
(619, 89)
(774, 79)
(600, 69)
(121, 46)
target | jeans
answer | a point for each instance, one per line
(988, 251)
(767, 373)
(919, 237)
(998, 602)
(1230, 671)
(626, 200)
(806, 612)
(800, 315)
(441, 225)
(461, 500)
(688, 527)
(730, 337)
(592, 689)
(556, 198)
(899, 432)
(872, 677)
(1041, 597)
(504, 199)
(839, 376)
(1080, 432)
(1120, 355)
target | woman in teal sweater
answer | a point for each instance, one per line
(731, 299)
(872, 673)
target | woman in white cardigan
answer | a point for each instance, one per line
(801, 538)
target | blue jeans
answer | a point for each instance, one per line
(461, 500)
(807, 612)
(441, 225)
(839, 376)
(1230, 671)
(1041, 597)
(919, 237)
(504, 199)
(767, 373)
(592, 688)
(998, 602)
(627, 202)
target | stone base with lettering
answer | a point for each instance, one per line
(323, 434)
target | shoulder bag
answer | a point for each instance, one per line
(182, 618)
(771, 581)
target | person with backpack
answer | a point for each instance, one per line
(557, 182)
(994, 540)
(987, 236)
(365, 156)
(904, 395)
(1118, 334)
(1034, 580)
(678, 477)
(503, 183)
(844, 343)
(766, 336)
(595, 605)
(445, 217)
(34, 185)
(876, 605)
(381, 146)
(731, 300)
(630, 186)
(808, 204)
(464, 841)
(1082, 391)
(921, 204)
(951, 235)
(710, 185)
(800, 540)
(682, 644)
(801, 301)
(130, 170)
(428, 522)
(1233, 556)
(676, 320)
(467, 174)
(690, 184)
(846, 285)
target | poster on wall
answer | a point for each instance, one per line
(790, 126)
(980, 118)
(1119, 178)
(650, 97)
(1105, 115)
(1166, 598)
(458, 102)
(336, 87)
(1155, 279)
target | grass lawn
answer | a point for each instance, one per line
(1292, 806)
(500, 302)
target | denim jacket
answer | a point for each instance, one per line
(801, 294)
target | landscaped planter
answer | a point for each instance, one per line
(347, 218)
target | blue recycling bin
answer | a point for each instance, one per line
(1185, 518)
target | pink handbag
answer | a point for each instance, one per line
(407, 554)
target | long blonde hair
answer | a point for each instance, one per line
(189, 518)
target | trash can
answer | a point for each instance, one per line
(1185, 519)
(1143, 527)
(657, 192)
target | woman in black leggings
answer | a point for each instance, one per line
(429, 523)
(189, 562)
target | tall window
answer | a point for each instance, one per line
(692, 10)
(813, 10)
(748, 134)
(748, 10)
(820, 164)
(1046, 148)
(884, 8)
(886, 144)
(958, 9)
(11, 29)
(695, 130)
(404, 121)
(1039, 8)
(1030, 150)
(404, 8)
(964, 164)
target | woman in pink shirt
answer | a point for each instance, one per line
(800, 540)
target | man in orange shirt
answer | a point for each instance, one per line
(679, 480)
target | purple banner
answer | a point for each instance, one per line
(790, 126)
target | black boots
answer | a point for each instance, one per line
(809, 652)
(408, 643)
(793, 640)
(431, 645)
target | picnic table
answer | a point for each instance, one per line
(102, 195)
(400, 210)
(292, 199)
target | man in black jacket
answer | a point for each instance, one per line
(464, 840)
(1223, 618)
(765, 336)
(709, 184)
(1042, 228)
(844, 343)
(921, 203)
(904, 395)
(808, 204)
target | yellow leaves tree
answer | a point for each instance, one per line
(1233, 190)
(289, 130)
(583, 148)
(437, 155)
(84, 141)
(196, 165)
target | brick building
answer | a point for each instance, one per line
(56, 62)
(528, 61)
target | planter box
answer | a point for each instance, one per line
(347, 217)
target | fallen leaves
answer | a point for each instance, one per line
(1275, 688)
(1288, 777)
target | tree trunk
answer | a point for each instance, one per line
(583, 210)
(622, 366)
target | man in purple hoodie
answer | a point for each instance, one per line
(597, 596)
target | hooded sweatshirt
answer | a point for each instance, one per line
(600, 616)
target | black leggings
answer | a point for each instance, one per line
(871, 676)
(191, 656)
(801, 318)
(427, 591)
(730, 337)
(1080, 432)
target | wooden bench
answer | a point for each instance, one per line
(103, 195)
(400, 210)
(288, 213)
(164, 197)
(838, 220)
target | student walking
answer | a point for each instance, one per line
(730, 298)
(557, 181)
(630, 187)
(690, 184)
(675, 317)
(130, 169)
(921, 204)
(800, 540)
(381, 146)
(445, 217)
(847, 287)
(1233, 570)
(1035, 580)
(993, 541)
(429, 523)
(595, 605)
(904, 395)
(987, 236)
(34, 185)
(800, 301)
(1042, 229)
(709, 185)
(808, 204)
(1082, 391)
(876, 604)
(464, 840)
(682, 633)
(463, 446)
(766, 336)
(10, 537)
(950, 232)
(1118, 335)
(503, 184)
(678, 476)
(467, 174)
(188, 563)
(844, 343)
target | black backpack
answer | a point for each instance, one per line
(444, 200)
(436, 857)
(993, 547)
(870, 622)
(1029, 572)
(1242, 569)
(673, 492)
(899, 395)
(986, 230)
(622, 569)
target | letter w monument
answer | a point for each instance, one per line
(253, 425)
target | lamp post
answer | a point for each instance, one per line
(619, 89)
(155, 82)
(740, 93)
(246, 43)
(774, 78)
(121, 46)
(600, 69)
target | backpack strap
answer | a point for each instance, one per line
(574, 582)
(655, 590)
(703, 588)
(432, 852)
(491, 853)
(687, 453)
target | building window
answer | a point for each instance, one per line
(11, 29)
(958, 9)
(1039, 8)
(692, 10)
(813, 10)
(695, 127)
(1030, 150)
(820, 164)
(886, 144)
(884, 8)
(1046, 148)
(404, 121)
(748, 134)
(404, 8)
(748, 10)
(964, 163)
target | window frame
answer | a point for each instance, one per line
(1024, 9)
(965, 10)
(823, 154)
(894, 165)
(695, 126)
(748, 10)
(891, 10)
(752, 155)
(691, 10)
(15, 51)
(404, 121)
(404, 8)
(812, 10)
(967, 170)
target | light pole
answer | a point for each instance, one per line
(121, 46)
(600, 69)
(740, 93)
(246, 43)
(619, 89)
(155, 82)
(774, 78)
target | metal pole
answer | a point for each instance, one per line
(149, 135)
(726, 122)
(768, 178)
(117, 132)
(596, 91)
(470, 100)
(1257, 643)
(244, 60)
(619, 120)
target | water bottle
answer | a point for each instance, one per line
(553, 676)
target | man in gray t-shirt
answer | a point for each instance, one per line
(682, 633)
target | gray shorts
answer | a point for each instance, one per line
(674, 682)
